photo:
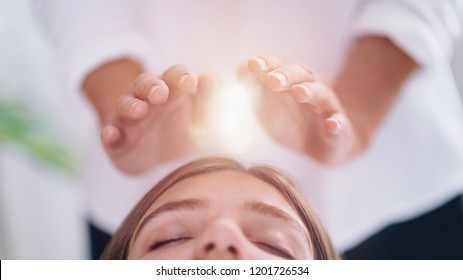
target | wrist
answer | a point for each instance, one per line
(105, 85)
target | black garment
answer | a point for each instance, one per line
(435, 235)
(98, 240)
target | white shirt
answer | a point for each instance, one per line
(415, 161)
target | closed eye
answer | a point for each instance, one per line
(167, 242)
(275, 250)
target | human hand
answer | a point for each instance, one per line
(156, 120)
(300, 110)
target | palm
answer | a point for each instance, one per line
(159, 120)
(298, 127)
(302, 112)
(161, 136)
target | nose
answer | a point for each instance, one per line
(221, 240)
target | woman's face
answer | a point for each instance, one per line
(221, 215)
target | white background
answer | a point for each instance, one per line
(318, 270)
(41, 211)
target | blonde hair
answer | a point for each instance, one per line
(319, 241)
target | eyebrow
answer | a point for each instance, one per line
(272, 211)
(198, 203)
(185, 204)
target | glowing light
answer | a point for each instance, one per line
(234, 121)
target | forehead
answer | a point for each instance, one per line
(225, 188)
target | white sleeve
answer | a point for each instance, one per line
(425, 29)
(87, 33)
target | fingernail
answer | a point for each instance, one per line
(154, 96)
(261, 62)
(186, 82)
(183, 78)
(338, 126)
(133, 107)
(281, 78)
(152, 93)
(302, 93)
(335, 127)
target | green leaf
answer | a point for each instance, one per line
(26, 130)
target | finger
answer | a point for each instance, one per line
(208, 84)
(320, 98)
(131, 108)
(244, 74)
(180, 78)
(339, 128)
(150, 88)
(252, 82)
(110, 136)
(333, 124)
(262, 64)
(288, 75)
